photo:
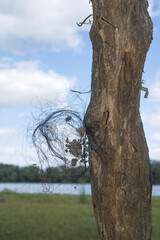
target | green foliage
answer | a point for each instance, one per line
(155, 165)
(7, 191)
(61, 174)
(11, 173)
(8, 173)
(30, 174)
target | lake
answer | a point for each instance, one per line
(58, 188)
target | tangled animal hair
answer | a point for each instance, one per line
(60, 137)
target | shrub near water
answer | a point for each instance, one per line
(82, 196)
(53, 217)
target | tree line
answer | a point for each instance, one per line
(60, 174)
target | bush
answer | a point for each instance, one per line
(82, 196)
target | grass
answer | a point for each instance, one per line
(155, 218)
(47, 217)
(53, 217)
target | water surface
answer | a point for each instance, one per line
(59, 188)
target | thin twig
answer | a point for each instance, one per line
(84, 21)
(146, 91)
(80, 92)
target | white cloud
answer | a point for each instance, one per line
(13, 155)
(151, 115)
(24, 83)
(50, 22)
(6, 132)
(156, 137)
(154, 8)
(151, 118)
(14, 148)
(154, 145)
(155, 89)
(22, 114)
(7, 135)
(154, 150)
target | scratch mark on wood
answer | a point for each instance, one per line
(107, 22)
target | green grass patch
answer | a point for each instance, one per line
(53, 217)
(47, 217)
(155, 218)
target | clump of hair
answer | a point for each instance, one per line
(60, 138)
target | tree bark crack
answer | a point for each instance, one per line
(109, 45)
(107, 22)
(133, 146)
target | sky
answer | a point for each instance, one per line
(43, 55)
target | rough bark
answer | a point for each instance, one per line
(119, 163)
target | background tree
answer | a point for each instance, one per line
(155, 172)
(119, 163)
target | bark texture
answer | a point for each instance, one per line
(119, 163)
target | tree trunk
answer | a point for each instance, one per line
(119, 163)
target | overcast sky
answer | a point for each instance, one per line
(43, 55)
